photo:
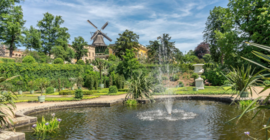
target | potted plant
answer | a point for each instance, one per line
(32, 84)
(72, 82)
(79, 82)
(19, 84)
(43, 83)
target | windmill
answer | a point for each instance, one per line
(97, 37)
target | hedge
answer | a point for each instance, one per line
(72, 92)
(34, 71)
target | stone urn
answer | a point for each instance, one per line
(198, 68)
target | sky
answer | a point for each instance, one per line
(183, 20)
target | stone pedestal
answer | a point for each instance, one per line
(199, 83)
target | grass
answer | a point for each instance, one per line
(208, 90)
(51, 99)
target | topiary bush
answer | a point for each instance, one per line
(29, 59)
(58, 61)
(49, 90)
(79, 94)
(113, 89)
(66, 92)
(80, 62)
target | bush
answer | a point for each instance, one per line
(195, 76)
(165, 78)
(58, 61)
(181, 84)
(123, 90)
(66, 92)
(174, 78)
(79, 94)
(215, 77)
(113, 89)
(29, 59)
(87, 92)
(49, 90)
(159, 89)
(131, 102)
(80, 62)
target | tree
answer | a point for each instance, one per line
(12, 25)
(201, 50)
(52, 34)
(213, 23)
(32, 38)
(59, 52)
(127, 40)
(5, 9)
(207, 58)
(129, 64)
(101, 64)
(78, 45)
(152, 52)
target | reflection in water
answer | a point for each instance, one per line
(194, 120)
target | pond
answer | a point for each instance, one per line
(190, 119)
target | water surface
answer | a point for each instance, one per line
(196, 120)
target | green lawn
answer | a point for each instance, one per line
(51, 99)
(208, 90)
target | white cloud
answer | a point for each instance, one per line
(180, 19)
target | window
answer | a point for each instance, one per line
(93, 54)
(89, 54)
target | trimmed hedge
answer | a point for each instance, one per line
(78, 94)
(72, 92)
(34, 71)
(123, 90)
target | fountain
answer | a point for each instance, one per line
(168, 105)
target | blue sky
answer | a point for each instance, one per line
(184, 20)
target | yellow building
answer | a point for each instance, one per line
(142, 52)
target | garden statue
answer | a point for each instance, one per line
(199, 81)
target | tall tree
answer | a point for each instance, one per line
(252, 18)
(5, 8)
(129, 64)
(32, 38)
(201, 50)
(52, 34)
(127, 40)
(12, 25)
(78, 45)
(152, 52)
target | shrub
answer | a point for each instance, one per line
(28, 59)
(203, 77)
(87, 92)
(159, 89)
(79, 94)
(174, 77)
(49, 90)
(66, 92)
(181, 84)
(195, 76)
(131, 102)
(123, 90)
(165, 78)
(58, 61)
(113, 89)
(80, 62)
(215, 77)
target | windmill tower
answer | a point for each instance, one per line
(98, 41)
